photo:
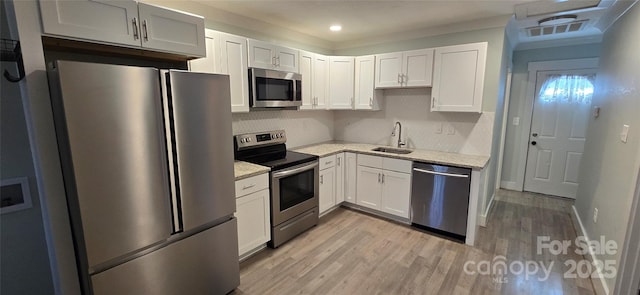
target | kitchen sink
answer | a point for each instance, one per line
(391, 150)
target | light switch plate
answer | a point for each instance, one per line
(516, 121)
(451, 130)
(625, 133)
(438, 128)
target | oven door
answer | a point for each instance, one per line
(275, 89)
(294, 191)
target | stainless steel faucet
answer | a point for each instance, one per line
(400, 143)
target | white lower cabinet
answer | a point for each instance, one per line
(327, 189)
(253, 213)
(350, 175)
(384, 184)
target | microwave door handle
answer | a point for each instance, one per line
(295, 170)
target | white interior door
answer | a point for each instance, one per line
(558, 128)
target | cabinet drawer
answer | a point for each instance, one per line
(397, 165)
(252, 184)
(327, 162)
(369, 161)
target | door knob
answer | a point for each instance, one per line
(534, 134)
(533, 143)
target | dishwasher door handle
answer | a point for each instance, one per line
(441, 173)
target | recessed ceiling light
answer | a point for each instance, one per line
(335, 28)
(556, 20)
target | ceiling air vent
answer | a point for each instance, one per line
(557, 29)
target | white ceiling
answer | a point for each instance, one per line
(365, 19)
(373, 20)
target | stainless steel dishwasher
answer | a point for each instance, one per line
(440, 199)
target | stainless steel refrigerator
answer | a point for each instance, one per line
(147, 162)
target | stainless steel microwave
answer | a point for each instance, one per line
(274, 89)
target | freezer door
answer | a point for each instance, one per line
(110, 132)
(205, 263)
(203, 145)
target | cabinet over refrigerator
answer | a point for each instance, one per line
(148, 172)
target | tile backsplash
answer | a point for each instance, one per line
(421, 128)
(302, 127)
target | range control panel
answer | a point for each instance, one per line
(260, 138)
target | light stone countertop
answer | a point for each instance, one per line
(245, 170)
(427, 156)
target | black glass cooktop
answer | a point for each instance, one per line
(276, 157)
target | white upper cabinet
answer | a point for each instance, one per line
(268, 56)
(314, 69)
(211, 62)
(106, 21)
(233, 62)
(306, 70)
(388, 69)
(458, 78)
(404, 69)
(227, 54)
(365, 96)
(125, 23)
(321, 81)
(341, 75)
(171, 30)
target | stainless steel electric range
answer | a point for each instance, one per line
(294, 182)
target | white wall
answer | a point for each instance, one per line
(411, 107)
(24, 260)
(519, 80)
(302, 128)
(609, 168)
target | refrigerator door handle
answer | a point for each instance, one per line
(440, 173)
(171, 153)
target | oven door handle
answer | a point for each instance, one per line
(296, 170)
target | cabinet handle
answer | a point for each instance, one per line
(134, 23)
(371, 101)
(382, 178)
(327, 163)
(433, 103)
(321, 179)
(248, 186)
(144, 30)
(273, 60)
(338, 161)
(379, 178)
(399, 79)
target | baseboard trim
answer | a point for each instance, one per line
(482, 221)
(510, 185)
(600, 286)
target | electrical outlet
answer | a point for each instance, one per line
(451, 130)
(516, 121)
(595, 215)
(438, 128)
(625, 133)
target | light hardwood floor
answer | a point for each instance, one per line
(351, 252)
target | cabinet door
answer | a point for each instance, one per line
(287, 59)
(350, 171)
(306, 70)
(388, 70)
(340, 178)
(107, 21)
(369, 187)
(211, 62)
(458, 78)
(341, 74)
(233, 61)
(320, 81)
(261, 55)
(365, 97)
(396, 193)
(417, 68)
(327, 189)
(253, 216)
(170, 30)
